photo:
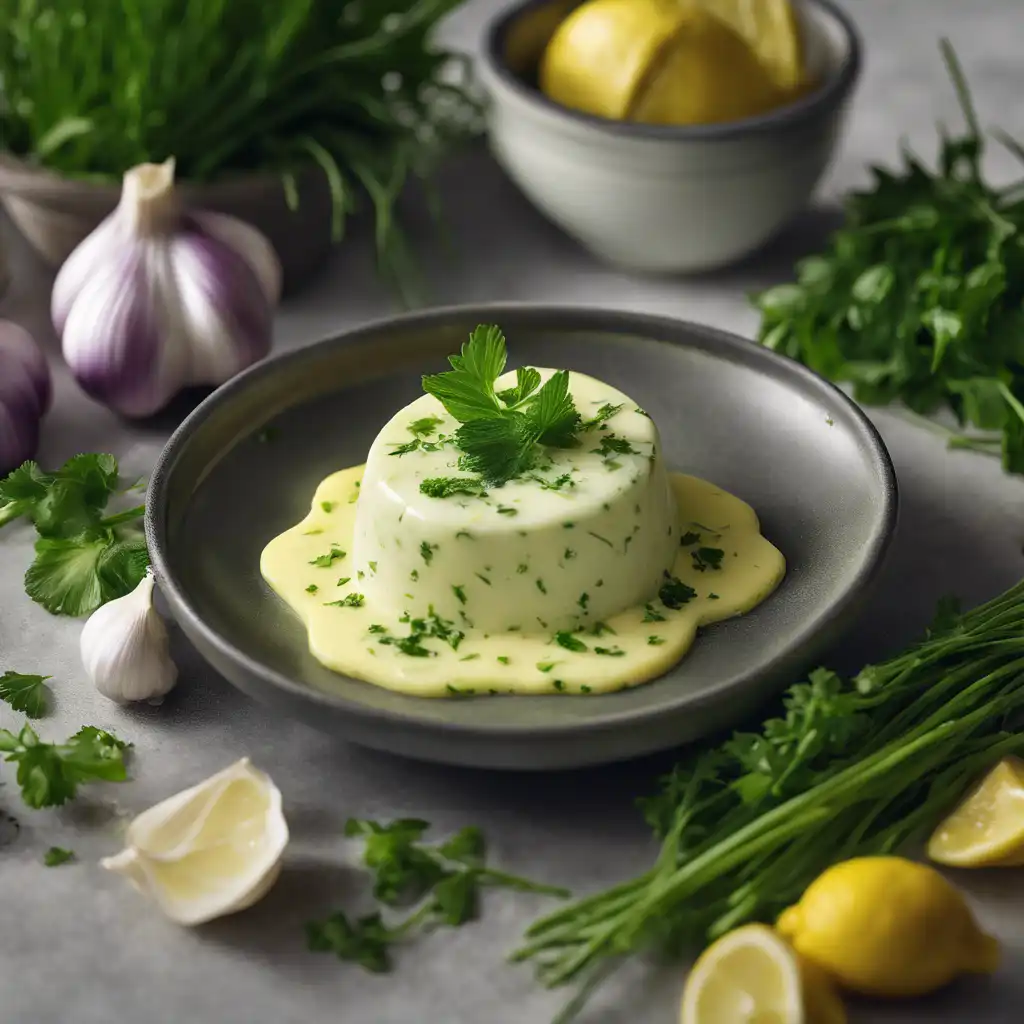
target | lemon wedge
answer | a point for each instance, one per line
(987, 829)
(657, 62)
(750, 974)
(770, 28)
(885, 926)
(210, 850)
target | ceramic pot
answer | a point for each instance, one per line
(55, 213)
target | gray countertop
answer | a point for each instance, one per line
(77, 945)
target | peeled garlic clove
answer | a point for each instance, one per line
(211, 850)
(124, 648)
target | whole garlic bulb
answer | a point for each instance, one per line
(157, 299)
(25, 395)
(210, 850)
(124, 648)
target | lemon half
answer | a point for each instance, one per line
(987, 829)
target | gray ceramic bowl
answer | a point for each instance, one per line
(664, 199)
(244, 466)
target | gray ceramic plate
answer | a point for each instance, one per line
(244, 466)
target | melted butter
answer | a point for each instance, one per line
(625, 649)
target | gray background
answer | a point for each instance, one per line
(77, 945)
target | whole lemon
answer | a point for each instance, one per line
(886, 926)
(655, 61)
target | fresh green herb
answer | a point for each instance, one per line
(507, 510)
(546, 666)
(312, 588)
(441, 883)
(350, 601)
(918, 298)
(522, 568)
(27, 694)
(465, 535)
(327, 506)
(600, 628)
(612, 445)
(584, 688)
(500, 433)
(713, 597)
(603, 540)
(481, 576)
(583, 600)
(674, 593)
(342, 580)
(642, 412)
(420, 629)
(688, 539)
(655, 641)
(332, 556)
(541, 586)
(49, 774)
(57, 855)
(558, 684)
(503, 659)
(707, 558)
(460, 593)
(84, 557)
(446, 486)
(376, 627)
(470, 657)
(455, 691)
(853, 767)
(568, 526)
(407, 448)
(414, 575)
(425, 426)
(568, 555)
(651, 614)
(571, 643)
(312, 533)
(427, 552)
(560, 482)
(611, 652)
(605, 413)
(373, 566)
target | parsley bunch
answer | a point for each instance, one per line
(501, 431)
(444, 880)
(84, 557)
(920, 296)
(853, 767)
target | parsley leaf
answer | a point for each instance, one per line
(446, 486)
(49, 773)
(425, 426)
(26, 694)
(674, 594)
(571, 643)
(707, 558)
(84, 558)
(56, 855)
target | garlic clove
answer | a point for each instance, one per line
(208, 851)
(124, 648)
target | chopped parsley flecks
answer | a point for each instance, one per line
(612, 445)
(542, 623)
(713, 597)
(513, 629)
(599, 583)
(446, 486)
(688, 539)
(558, 684)
(456, 692)
(312, 588)
(355, 495)
(470, 657)
(546, 666)
(627, 542)
(707, 558)
(327, 506)
(642, 412)
(507, 510)
(606, 412)
(565, 480)
(655, 641)
(674, 593)
(464, 535)
(481, 576)
(427, 551)
(584, 600)
(424, 426)
(571, 643)
(610, 652)
(414, 575)
(420, 629)
(569, 554)
(541, 587)
(351, 601)
(326, 561)
(603, 540)
(584, 688)
(568, 526)
(312, 533)
(460, 593)
(503, 659)
(522, 568)
(373, 566)
(376, 627)
(342, 580)
(600, 628)
(360, 574)
(651, 614)
(405, 449)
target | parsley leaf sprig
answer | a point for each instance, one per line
(49, 774)
(500, 431)
(440, 883)
(918, 298)
(27, 694)
(84, 557)
(851, 767)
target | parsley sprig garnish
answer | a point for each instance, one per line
(918, 297)
(440, 883)
(84, 557)
(500, 432)
(27, 694)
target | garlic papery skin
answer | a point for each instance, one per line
(25, 395)
(124, 648)
(158, 298)
(209, 851)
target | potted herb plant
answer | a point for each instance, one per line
(284, 114)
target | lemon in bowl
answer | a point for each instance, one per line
(668, 135)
